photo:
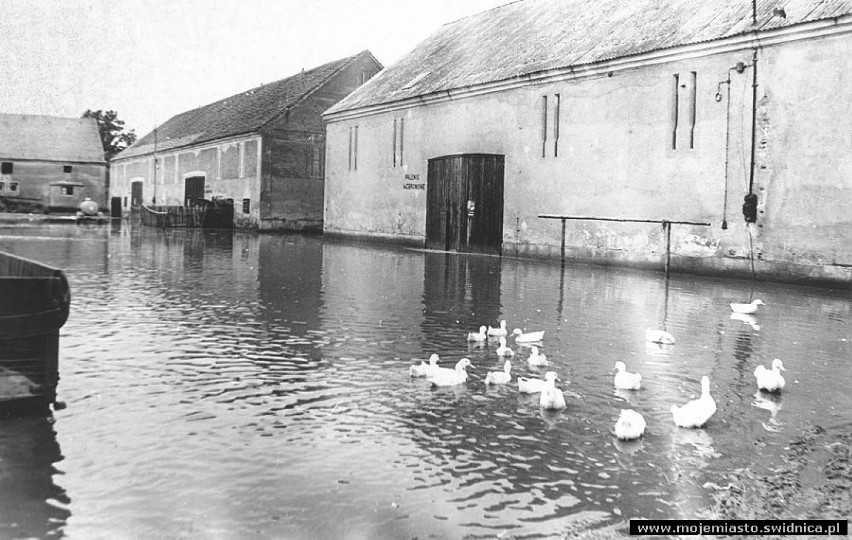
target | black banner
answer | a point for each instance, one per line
(734, 527)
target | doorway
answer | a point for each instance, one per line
(193, 191)
(464, 201)
(136, 194)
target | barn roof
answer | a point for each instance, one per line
(50, 138)
(243, 113)
(533, 36)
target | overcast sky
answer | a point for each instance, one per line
(152, 59)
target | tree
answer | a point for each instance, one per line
(113, 136)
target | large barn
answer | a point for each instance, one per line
(262, 151)
(713, 134)
(50, 163)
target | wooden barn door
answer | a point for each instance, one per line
(465, 203)
(193, 191)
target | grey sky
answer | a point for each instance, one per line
(152, 59)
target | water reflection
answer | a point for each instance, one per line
(262, 382)
(769, 402)
(32, 505)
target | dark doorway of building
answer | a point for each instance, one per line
(135, 194)
(115, 207)
(465, 203)
(194, 191)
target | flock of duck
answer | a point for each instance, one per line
(630, 424)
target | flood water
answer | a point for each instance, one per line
(245, 386)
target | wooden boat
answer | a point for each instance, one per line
(34, 303)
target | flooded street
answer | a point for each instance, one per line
(240, 386)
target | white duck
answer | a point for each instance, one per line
(749, 308)
(697, 412)
(450, 377)
(770, 379)
(536, 358)
(527, 337)
(478, 336)
(624, 380)
(500, 377)
(424, 369)
(503, 350)
(534, 386)
(551, 397)
(498, 332)
(630, 425)
(659, 336)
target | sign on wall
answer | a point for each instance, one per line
(412, 181)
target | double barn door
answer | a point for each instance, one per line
(465, 203)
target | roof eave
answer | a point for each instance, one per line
(737, 42)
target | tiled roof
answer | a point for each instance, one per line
(52, 138)
(243, 113)
(532, 36)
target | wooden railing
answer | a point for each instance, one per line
(667, 226)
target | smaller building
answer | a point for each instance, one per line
(50, 163)
(262, 151)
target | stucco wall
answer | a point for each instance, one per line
(34, 179)
(230, 168)
(615, 159)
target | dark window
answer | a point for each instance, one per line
(394, 142)
(556, 125)
(6, 168)
(316, 161)
(125, 202)
(401, 138)
(13, 186)
(2, 186)
(675, 106)
(353, 148)
(692, 98)
(543, 126)
(246, 206)
(67, 190)
(67, 168)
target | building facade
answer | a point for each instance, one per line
(262, 150)
(710, 118)
(50, 163)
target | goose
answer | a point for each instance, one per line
(424, 369)
(478, 336)
(503, 350)
(659, 336)
(695, 413)
(749, 308)
(527, 337)
(500, 377)
(624, 380)
(16, 384)
(534, 386)
(498, 332)
(536, 358)
(630, 425)
(770, 379)
(449, 377)
(551, 397)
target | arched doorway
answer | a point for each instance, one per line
(465, 203)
